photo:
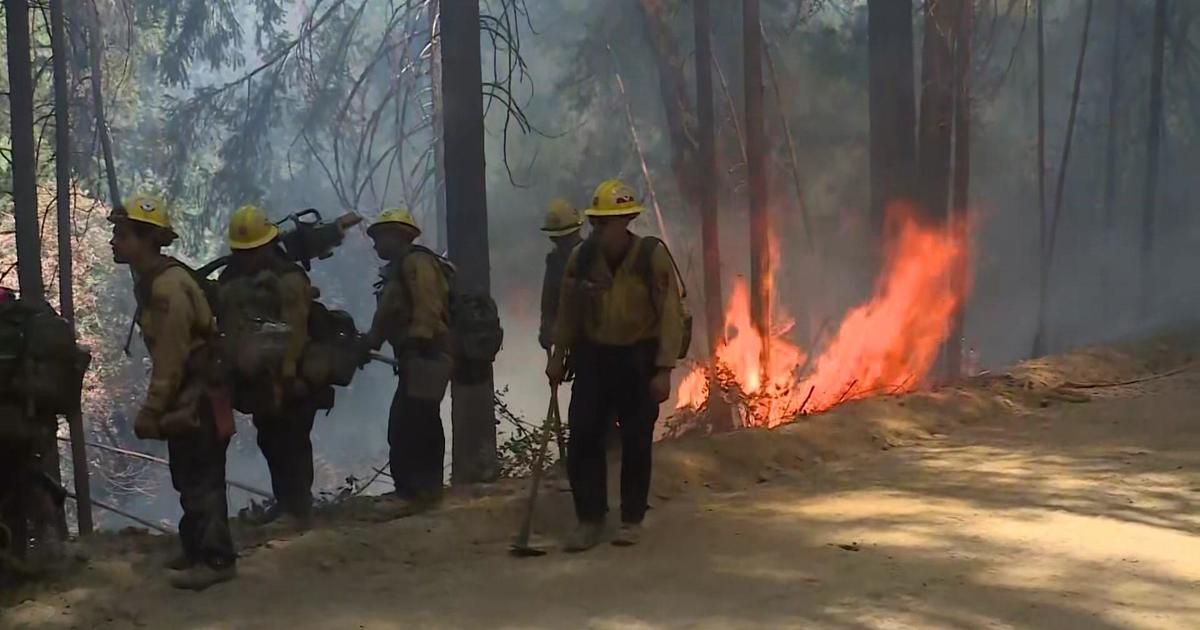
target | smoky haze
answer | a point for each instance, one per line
(581, 136)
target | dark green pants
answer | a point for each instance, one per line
(286, 443)
(198, 474)
(611, 380)
(417, 443)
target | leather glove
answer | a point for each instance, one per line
(146, 426)
(297, 389)
(363, 349)
(660, 385)
(556, 371)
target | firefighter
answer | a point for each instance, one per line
(562, 225)
(282, 405)
(620, 324)
(181, 405)
(412, 315)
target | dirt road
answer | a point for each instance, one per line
(996, 506)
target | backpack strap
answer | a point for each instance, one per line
(142, 290)
(644, 264)
(589, 249)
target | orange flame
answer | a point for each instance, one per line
(887, 345)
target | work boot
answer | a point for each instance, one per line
(295, 522)
(270, 515)
(585, 536)
(628, 535)
(202, 576)
(392, 506)
(180, 562)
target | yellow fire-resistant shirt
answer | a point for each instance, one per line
(618, 307)
(175, 321)
(413, 304)
(297, 295)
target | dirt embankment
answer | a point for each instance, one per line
(1062, 494)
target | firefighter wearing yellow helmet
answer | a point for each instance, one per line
(260, 284)
(621, 323)
(413, 316)
(562, 224)
(180, 406)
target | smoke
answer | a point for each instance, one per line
(569, 94)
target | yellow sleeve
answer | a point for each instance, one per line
(666, 294)
(566, 321)
(430, 296)
(173, 316)
(297, 301)
(387, 308)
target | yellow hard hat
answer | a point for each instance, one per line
(398, 216)
(614, 198)
(249, 228)
(143, 209)
(562, 219)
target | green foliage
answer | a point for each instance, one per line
(517, 454)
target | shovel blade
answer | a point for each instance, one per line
(518, 550)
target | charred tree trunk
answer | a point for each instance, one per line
(760, 221)
(1153, 148)
(714, 315)
(95, 39)
(439, 163)
(24, 175)
(62, 169)
(1111, 157)
(892, 104)
(474, 416)
(962, 173)
(937, 104)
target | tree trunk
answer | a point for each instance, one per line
(793, 154)
(96, 56)
(760, 221)
(681, 120)
(962, 173)
(439, 164)
(24, 175)
(937, 104)
(714, 315)
(1040, 346)
(1038, 340)
(1111, 159)
(1153, 146)
(25, 211)
(892, 104)
(62, 168)
(474, 417)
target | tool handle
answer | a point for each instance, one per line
(538, 464)
(375, 356)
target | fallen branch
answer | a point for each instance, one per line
(163, 462)
(811, 389)
(847, 392)
(637, 144)
(1144, 379)
(119, 512)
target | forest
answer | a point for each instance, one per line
(864, 197)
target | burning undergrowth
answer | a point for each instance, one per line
(886, 345)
